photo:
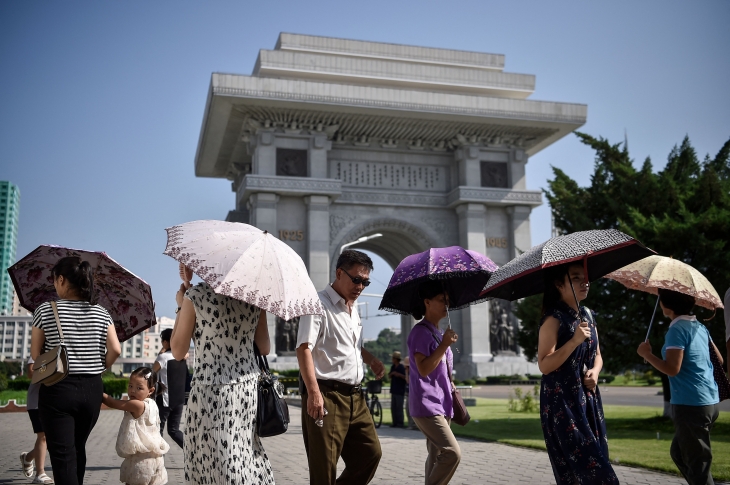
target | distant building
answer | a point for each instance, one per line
(15, 333)
(9, 215)
(143, 348)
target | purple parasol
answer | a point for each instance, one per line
(462, 271)
(127, 298)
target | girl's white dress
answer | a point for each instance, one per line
(141, 445)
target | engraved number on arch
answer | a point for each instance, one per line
(291, 235)
(497, 242)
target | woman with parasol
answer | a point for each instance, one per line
(569, 355)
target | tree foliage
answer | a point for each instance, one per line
(383, 347)
(682, 211)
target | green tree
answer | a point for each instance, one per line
(383, 347)
(682, 211)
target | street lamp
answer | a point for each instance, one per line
(360, 240)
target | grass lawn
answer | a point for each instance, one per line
(632, 434)
(19, 397)
(638, 382)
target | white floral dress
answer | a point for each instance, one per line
(221, 444)
(141, 445)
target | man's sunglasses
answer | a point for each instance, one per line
(357, 280)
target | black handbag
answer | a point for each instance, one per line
(272, 412)
(718, 372)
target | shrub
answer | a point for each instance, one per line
(527, 403)
(608, 378)
(3, 382)
(469, 382)
(115, 387)
(534, 377)
(650, 378)
(19, 384)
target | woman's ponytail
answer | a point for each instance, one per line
(79, 274)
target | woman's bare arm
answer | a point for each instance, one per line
(37, 341)
(548, 358)
(113, 347)
(261, 336)
(182, 332)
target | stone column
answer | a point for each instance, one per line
(475, 318)
(317, 161)
(263, 161)
(262, 209)
(519, 234)
(470, 172)
(318, 239)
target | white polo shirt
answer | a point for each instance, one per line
(334, 339)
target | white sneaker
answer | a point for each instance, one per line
(28, 467)
(43, 478)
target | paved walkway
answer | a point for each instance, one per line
(404, 453)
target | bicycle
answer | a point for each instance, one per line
(376, 409)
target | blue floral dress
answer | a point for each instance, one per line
(571, 415)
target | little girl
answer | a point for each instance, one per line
(139, 441)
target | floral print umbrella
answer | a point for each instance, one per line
(601, 251)
(127, 297)
(246, 263)
(462, 271)
(654, 272)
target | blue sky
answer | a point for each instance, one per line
(101, 102)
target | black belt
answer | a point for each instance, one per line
(341, 387)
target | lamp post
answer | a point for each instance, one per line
(358, 241)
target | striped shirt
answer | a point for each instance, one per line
(84, 331)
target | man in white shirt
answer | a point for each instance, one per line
(171, 415)
(335, 420)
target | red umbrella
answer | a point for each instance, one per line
(127, 297)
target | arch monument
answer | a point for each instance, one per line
(329, 140)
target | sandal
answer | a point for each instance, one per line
(28, 467)
(43, 478)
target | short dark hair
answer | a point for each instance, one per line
(350, 258)
(79, 275)
(165, 335)
(150, 377)
(426, 291)
(679, 303)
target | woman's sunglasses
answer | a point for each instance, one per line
(357, 280)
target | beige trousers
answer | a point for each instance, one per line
(444, 453)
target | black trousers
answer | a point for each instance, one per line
(691, 450)
(396, 408)
(171, 416)
(68, 411)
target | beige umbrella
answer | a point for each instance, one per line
(654, 272)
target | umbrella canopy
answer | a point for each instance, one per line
(463, 273)
(602, 251)
(246, 263)
(654, 272)
(127, 298)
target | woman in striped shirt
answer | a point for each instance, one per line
(69, 409)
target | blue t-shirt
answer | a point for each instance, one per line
(695, 384)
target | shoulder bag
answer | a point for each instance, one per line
(52, 366)
(461, 415)
(718, 372)
(272, 413)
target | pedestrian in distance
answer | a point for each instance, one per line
(727, 324)
(220, 443)
(398, 385)
(430, 382)
(569, 357)
(139, 441)
(335, 417)
(695, 398)
(37, 455)
(170, 415)
(69, 408)
(407, 365)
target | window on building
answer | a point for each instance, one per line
(494, 174)
(291, 163)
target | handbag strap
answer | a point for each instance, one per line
(439, 342)
(261, 359)
(58, 320)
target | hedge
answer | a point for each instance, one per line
(115, 387)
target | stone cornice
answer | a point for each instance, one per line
(297, 186)
(494, 196)
(460, 195)
(398, 99)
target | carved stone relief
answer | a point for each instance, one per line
(502, 328)
(286, 336)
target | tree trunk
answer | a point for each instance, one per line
(667, 394)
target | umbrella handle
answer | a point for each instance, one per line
(651, 322)
(576, 300)
(448, 316)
